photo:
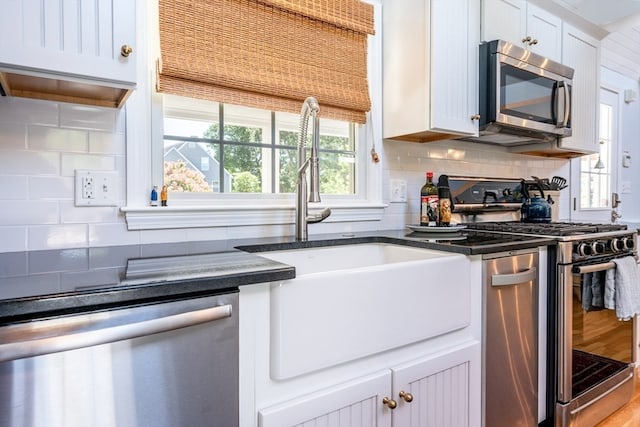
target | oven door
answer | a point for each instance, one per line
(595, 349)
(529, 97)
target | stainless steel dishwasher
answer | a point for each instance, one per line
(510, 339)
(168, 364)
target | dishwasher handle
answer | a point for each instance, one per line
(513, 278)
(64, 342)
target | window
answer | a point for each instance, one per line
(219, 206)
(595, 169)
(215, 148)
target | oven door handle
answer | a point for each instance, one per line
(592, 268)
(514, 278)
(58, 341)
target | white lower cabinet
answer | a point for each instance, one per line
(439, 390)
(445, 390)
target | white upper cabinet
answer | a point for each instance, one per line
(582, 52)
(430, 69)
(68, 48)
(523, 24)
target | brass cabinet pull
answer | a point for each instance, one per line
(532, 42)
(408, 397)
(126, 50)
(475, 117)
(526, 39)
(390, 403)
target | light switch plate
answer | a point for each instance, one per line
(398, 190)
(96, 188)
(626, 187)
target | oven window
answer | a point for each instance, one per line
(526, 95)
(602, 344)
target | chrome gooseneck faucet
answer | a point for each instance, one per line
(311, 108)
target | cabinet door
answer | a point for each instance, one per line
(356, 403)
(582, 52)
(446, 389)
(454, 39)
(504, 20)
(545, 30)
(80, 38)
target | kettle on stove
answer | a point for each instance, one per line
(534, 209)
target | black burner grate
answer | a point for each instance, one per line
(547, 229)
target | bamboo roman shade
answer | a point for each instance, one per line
(268, 54)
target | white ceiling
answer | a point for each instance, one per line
(611, 15)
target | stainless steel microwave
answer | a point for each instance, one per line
(524, 97)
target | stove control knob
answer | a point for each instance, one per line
(617, 245)
(585, 249)
(628, 243)
(597, 248)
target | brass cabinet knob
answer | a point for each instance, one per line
(390, 403)
(126, 50)
(475, 117)
(526, 39)
(408, 397)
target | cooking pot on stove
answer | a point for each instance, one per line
(536, 208)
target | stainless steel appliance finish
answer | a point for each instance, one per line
(166, 364)
(510, 344)
(523, 97)
(593, 381)
(590, 382)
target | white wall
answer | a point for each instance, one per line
(42, 143)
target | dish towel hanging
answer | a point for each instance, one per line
(627, 288)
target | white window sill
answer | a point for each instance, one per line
(165, 217)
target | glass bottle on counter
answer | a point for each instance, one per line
(429, 202)
(444, 202)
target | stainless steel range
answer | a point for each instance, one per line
(590, 352)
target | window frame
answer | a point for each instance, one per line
(145, 156)
(271, 123)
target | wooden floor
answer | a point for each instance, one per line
(628, 415)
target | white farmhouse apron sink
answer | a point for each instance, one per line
(351, 301)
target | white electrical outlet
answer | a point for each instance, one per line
(88, 187)
(96, 188)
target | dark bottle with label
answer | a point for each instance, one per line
(429, 202)
(445, 204)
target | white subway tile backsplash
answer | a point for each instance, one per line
(55, 139)
(19, 287)
(86, 117)
(29, 163)
(51, 188)
(71, 162)
(13, 136)
(58, 236)
(107, 143)
(208, 234)
(72, 214)
(112, 234)
(27, 212)
(14, 187)
(28, 111)
(14, 239)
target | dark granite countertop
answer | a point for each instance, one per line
(43, 283)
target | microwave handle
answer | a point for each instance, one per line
(566, 110)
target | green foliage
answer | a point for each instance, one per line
(245, 182)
